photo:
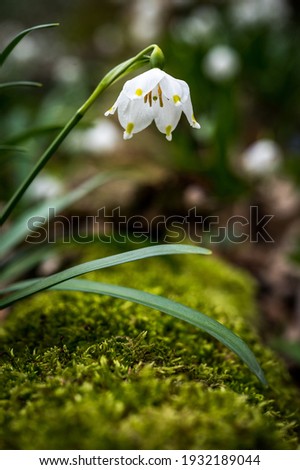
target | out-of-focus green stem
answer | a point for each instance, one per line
(120, 70)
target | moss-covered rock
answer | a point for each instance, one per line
(82, 371)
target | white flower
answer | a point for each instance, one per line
(255, 12)
(29, 52)
(200, 26)
(45, 186)
(102, 137)
(147, 19)
(68, 69)
(221, 63)
(262, 157)
(153, 95)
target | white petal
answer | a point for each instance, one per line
(139, 86)
(188, 111)
(134, 116)
(185, 90)
(167, 117)
(112, 110)
(175, 90)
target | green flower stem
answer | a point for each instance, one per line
(116, 73)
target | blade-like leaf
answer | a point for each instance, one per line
(24, 260)
(102, 263)
(5, 53)
(20, 83)
(12, 148)
(19, 229)
(175, 309)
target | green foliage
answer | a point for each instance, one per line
(10, 47)
(20, 83)
(87, 371)
(63, 281)
(19, 230)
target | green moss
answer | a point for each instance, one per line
(81, 371)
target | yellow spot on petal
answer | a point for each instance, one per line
(176, 99)
(139, 92)
(128, 131)
(169, 132)
(129, 128)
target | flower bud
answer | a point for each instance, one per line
(157, 58)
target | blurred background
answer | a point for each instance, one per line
(241, 60)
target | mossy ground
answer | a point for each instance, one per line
(82, 371)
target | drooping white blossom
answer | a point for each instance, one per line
(153, 95)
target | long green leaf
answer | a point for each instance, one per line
(19, 229)
(12, 148)
(102, 263)
(20, 83)
(175, 309)
(8, 49)
(24, 260)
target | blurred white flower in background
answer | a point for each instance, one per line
(253, 12)
(45, 186)
(102, 137)
(68, 69)
(199, 26)
(146, 20)
(221, 63)
(262, 157)
(27, 51)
